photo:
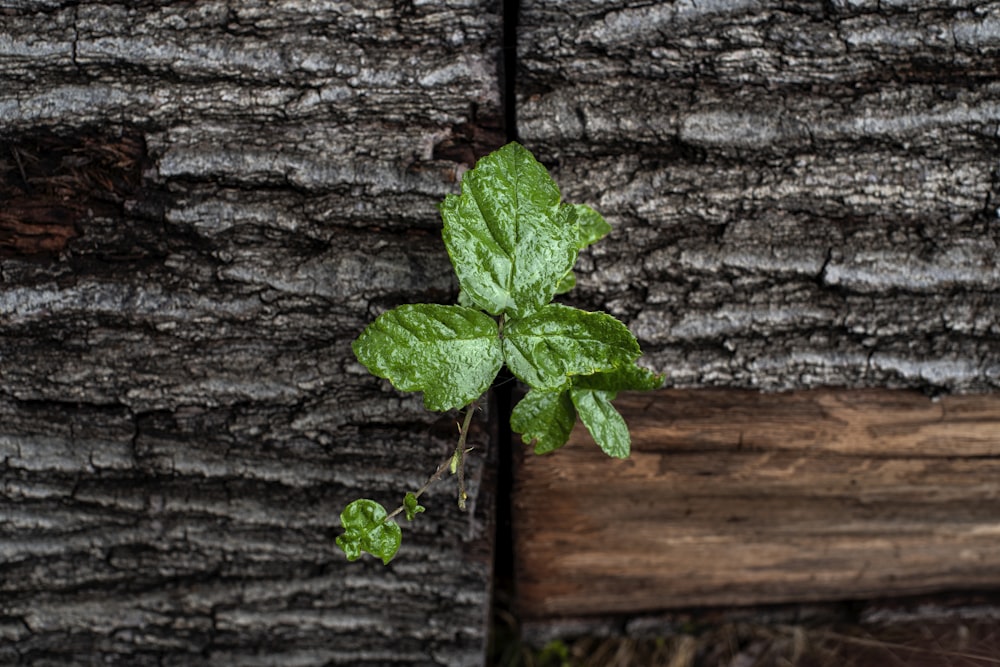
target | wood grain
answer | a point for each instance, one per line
(736, 498)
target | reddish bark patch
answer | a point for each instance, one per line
(51, 184)
(470, 141)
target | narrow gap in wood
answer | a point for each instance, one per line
(511, 12)
(503, 591)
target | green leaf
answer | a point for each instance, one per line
(624, 378)
(545, 418)
(592, 396)
(450, 353)
(463, 300)
(411, 507)
(367, 530)
(546, 348)
(508, 238)
(566, 283)
(593, 227)
(604, 422)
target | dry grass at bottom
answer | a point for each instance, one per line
(915, 643)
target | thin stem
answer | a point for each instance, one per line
(17, 158)
(458, 456)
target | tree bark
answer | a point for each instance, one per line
(802, 193)
(205, 203)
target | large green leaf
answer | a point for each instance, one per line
(556, 342)
(365, 529)
(545, 418)
(507, 235)
(604, 422)
(450, 353)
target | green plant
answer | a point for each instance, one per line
(513, 245)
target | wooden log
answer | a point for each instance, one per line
(201, 205)
(802, 194)
(740, 498)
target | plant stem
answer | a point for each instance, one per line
(458, 456)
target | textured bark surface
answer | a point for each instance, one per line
(203, 204)
(743, 498)
(804, 193)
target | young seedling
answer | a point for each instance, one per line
(513, 245)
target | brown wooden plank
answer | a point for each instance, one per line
(736, 497)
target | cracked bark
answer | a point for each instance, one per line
(181, 418)
(802, 193)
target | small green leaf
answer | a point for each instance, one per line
(507, 235)
(604, 422)
(450, 353)
(556, 342)
(592, 396)
(624, 378)
(411, 507)
(566, 283)
(593, 227)
(367, 530)
(545, 418)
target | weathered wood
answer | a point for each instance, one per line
(734, 497)
(181, 417)
(803, 193)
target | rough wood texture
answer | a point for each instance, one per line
(181, 418)
(734, 497)
(804, 193)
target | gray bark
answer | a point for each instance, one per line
(205, 204)
(803, 193)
